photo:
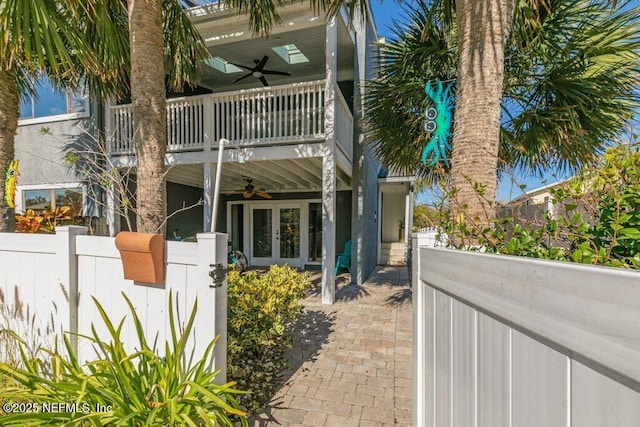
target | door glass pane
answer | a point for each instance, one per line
(315, 232)
(262, 247)
(237, 221)
(290, 233)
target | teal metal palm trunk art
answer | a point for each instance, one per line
(438, 122)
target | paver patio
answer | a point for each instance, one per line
(351, 362)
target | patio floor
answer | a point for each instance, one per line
(351, 362)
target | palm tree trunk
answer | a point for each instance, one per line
(483, 26)
(9, 112)
(149, 112)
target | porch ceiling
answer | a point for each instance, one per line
(292, 175)
(227, 36)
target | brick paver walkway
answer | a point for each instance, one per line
(351, 362)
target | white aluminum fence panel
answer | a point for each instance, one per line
(443, 359)
(494, 372)
(101, 276)
(90, 267)
(540, 384)
(521, 342)
(31, 275)
(601, 401)
(463, 355)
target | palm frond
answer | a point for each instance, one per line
(572, 70)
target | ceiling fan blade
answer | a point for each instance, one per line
(247, 194)
(241, 66)
(276, 73)
(263, 195)
(260, 65)
(264, 81)
(241, 78)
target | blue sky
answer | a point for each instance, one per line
(384, 13)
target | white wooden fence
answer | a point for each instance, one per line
(511, 341)
(57, 276)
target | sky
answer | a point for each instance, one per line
(384, 13)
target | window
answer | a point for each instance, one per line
(291, 54)
(222, 65)
(50, 199)
(49, 102)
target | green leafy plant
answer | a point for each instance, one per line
(121, 388)
(262, 308)
(596, 219)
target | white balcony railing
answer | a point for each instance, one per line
(259, 116)
(343, 125)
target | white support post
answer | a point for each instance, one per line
(329, 169)
(419, 412)
(212, 249)
(207, 195)
(108, 130)
(207, 187)
(67, 261)
(113, 212)
(358, 175)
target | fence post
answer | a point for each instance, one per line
(212, 249)
(67, 261)
(419, 334)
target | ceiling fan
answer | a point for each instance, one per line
(250, 190)
(258, 71)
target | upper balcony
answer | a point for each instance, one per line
(284, 107)
(265, 116)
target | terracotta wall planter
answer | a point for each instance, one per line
(142, 256)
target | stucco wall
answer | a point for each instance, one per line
(42, 156)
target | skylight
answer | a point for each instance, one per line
(222, 65)
(291, 54)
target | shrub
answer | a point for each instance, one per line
(262, 308)
(44, 221)
(120, 388)
(596, 219)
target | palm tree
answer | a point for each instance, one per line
(151, 22)
(483, 27)
(149, 112)
(570, 83)
(73, 42)
(35, 39)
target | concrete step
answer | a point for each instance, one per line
(395, 245)
(393, 253)
(393, 262)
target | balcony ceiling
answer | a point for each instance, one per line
(227, 36)
(274, 176)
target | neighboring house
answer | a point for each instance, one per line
(533, 205)
(297, 141)
(46, 180)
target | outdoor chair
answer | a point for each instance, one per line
(343, 260)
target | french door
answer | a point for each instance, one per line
(275, 234)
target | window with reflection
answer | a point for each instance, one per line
(48, 102)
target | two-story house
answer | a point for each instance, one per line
(298, 179)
